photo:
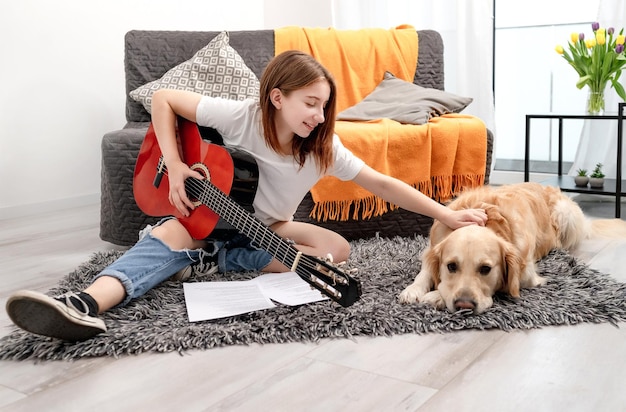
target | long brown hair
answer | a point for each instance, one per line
(289, 71)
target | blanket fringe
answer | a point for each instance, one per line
(439, 188)
(464, 182)
(359, 209)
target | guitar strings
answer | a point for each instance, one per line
(210, 195)
(252, 226)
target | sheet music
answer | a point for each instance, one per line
(213, 300)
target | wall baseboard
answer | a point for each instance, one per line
(18, 211)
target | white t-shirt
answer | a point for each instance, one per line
(282, 185)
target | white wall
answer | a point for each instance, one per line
(63, 83)
(306, 13)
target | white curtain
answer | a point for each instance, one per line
(598, 140)
(466, 27)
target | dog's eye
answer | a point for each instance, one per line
(484, 270)
(452, 267)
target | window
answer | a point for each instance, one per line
(530, 77)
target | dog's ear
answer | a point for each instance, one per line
(513, 265)
(497, 222)
(431, 262)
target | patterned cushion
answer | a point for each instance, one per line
(216, 70)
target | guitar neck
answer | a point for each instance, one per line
(229, 210)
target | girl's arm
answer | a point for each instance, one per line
(399, 193)
(166, 105)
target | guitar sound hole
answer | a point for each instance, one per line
(204, 171)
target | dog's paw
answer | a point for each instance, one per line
(434, 299)
(532, 280)
(411, 294)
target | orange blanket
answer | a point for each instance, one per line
(439, 158)
(357, 59)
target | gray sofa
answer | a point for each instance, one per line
(149, 54)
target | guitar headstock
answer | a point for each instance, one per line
(330, 279)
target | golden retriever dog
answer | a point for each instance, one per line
(464, 268)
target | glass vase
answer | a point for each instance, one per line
(595, 102)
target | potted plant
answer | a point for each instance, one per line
(598, 60)
(581, 179)
(596, 179)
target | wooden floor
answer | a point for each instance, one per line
(571, 368)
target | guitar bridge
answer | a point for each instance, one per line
(160, 172)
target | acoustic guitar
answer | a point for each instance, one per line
(227, 171)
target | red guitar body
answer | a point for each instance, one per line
(212, 161)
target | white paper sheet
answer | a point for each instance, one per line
(288, 288)
(213, 300)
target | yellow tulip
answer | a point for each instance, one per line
(600, 38)
(590, 43)
(620, 39)
(574, 37)
(559, 49)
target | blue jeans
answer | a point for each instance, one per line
(150, 261)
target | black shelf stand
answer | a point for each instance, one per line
(612, 187)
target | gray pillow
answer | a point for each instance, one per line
(404, 102)
(216, 70)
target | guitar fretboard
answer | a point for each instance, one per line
(229, 210)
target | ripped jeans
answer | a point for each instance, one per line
(150, 261)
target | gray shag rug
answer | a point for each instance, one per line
(158, 321)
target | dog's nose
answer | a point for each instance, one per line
(464, 303)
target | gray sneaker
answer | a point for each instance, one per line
(64, 317)
(204, 267)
